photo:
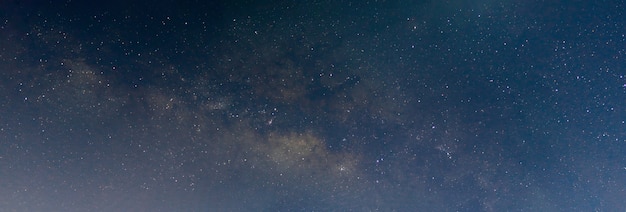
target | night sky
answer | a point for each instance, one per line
(312, 105)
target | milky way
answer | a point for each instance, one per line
(312, 106)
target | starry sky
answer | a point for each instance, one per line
(312, 105)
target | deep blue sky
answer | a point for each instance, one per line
(312, 106)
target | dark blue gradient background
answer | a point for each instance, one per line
(312, 106)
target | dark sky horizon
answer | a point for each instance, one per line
(312, 106)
